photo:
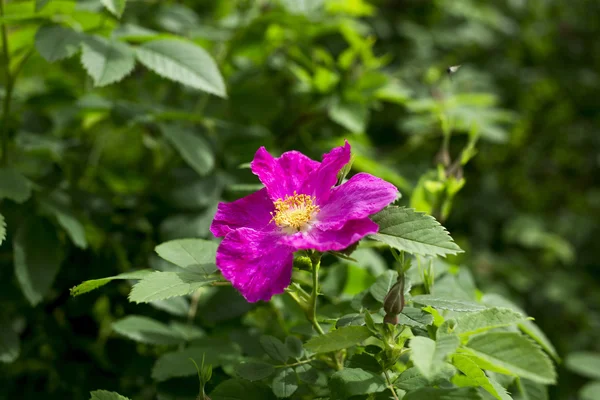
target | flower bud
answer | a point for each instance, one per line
(393, 303)
(303, 263)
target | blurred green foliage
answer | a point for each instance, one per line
(104, 157)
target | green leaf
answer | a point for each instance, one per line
(92, 284)
(116, 7)
(417, 233)
(188, 252)
(146, 330)
(304, 7)
(590, 391)
(444, 394)
(478, 378)
(446, 303)
(184, 62)
(254, 370)
(106, 61)
(274, 348)
(37, 258)
(353, 319)
(411, 379)
(70, 224)
(186, 331)
(383, 284)
(429, 356)
(106, 395)
(163, 285)
(56, 42)
(526, 325)
(10, 346)
(536, 391)
(294, 346)
(178, 306)
(352, 116)
(2, 228)
(414, 317)
(511, 353)
(39, 4)
(354, 381)
(421, 355)
(239, 389)
(341, 338)
(14, 186)
(177, 364)
(193, 148)
(307, 373)
(584, 363)
(285, 383)
(481, 321)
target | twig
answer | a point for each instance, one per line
(390, 386)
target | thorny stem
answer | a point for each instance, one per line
(312, 309)
(8, 89)
(390, 386)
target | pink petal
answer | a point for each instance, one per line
(252, 211)
(256, 263)
(321, 181)
(283, 175)
(361, 196)
(332, 240)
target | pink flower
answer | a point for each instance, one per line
(298, 209)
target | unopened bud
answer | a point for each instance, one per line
(303, 262)
(391, 319)
(393, 303)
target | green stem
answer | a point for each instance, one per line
(8, 89)
(312, 309)
(390, 386)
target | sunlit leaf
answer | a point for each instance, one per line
(116, 7)
(512, 354)
(107, 61)
(163, 285)
(429, 355)
(478, 378)
(413, 232)
(92, 284)
(481, 321)
(446, 303)
(183, 61)
(189, 252)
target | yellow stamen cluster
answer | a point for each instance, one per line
(294, 211)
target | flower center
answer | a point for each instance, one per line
(294, 212)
